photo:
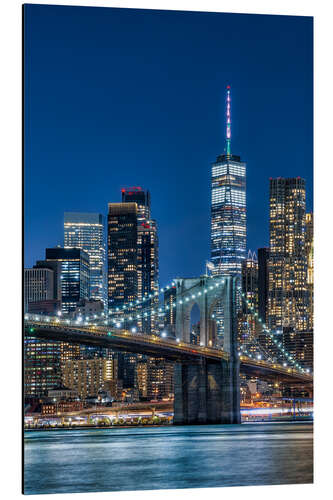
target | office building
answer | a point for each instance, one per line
(87, 231)
(122, 254)
(38, 285)
(74, 275)
(228, 208)
(248, 328)
(309, 249)
(228, 215)
(288, 297)
(263, 257)
(133, 256)
(139, 196)
(41, 367)
(147, 254)
(169, 300)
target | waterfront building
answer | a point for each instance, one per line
(74, 275)
(88, 376)
(62, 393)
(41, 367)
(41, 358)
(288, 297)
(155, 378)
(38, 285)
(51, 409)
(87, 231)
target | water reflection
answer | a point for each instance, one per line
(59, 461)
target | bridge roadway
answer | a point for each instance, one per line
(154, 346)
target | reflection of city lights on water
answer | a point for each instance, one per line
(273, 411)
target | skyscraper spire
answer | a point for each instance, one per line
(228, 122)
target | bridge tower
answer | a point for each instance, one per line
(207, 392)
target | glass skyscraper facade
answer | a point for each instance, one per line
(228, 208)
(87, 231)
(122, 254)
(74, 280)
(133, 254)
(288, 296)
(228, 213)
(309, 249)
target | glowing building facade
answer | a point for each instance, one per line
(147, 254)
(87, 231)
(74, 279)
(310, 264)
(247, 324)
(228, 208)
(228, 214)
(288, 298)
(88, 376)
(122, 254)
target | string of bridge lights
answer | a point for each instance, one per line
(278, 344)
(137, 303)
(124, 310)
(160, 311)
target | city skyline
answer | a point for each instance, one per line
(202, 136)
(168, 280)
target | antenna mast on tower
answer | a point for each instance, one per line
(228, 129)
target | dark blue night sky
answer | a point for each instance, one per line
(117, 97)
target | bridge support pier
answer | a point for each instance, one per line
(206, 393)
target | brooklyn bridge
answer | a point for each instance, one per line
(206, 376)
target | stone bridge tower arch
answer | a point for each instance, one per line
(207, 392)
(206, 292)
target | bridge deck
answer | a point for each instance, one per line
(154, 346)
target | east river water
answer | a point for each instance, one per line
(141, 458)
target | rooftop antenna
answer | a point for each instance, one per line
(228, 129)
